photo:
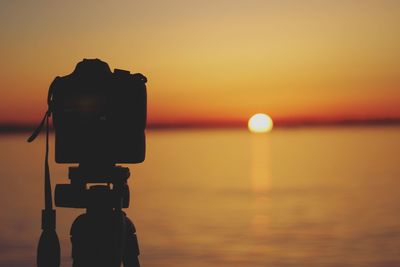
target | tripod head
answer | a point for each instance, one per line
(101, 186)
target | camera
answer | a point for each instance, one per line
(99, 116)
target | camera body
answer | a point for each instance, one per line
(99, 116)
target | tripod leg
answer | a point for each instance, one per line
(96, 240)
(81, 241)
(131, 253)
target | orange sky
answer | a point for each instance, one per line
(211, 60)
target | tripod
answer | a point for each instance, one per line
(103, 236)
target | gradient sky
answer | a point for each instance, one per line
(211, 60)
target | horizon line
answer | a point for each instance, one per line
(10, 127)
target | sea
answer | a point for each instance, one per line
(312, 197)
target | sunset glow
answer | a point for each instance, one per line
(212, 62)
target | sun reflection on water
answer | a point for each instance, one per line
(260, 164)
(261, 183)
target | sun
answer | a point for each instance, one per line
(260, 123)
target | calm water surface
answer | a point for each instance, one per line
(300, 197)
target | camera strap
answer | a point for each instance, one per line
(48, 217)
(48, 214)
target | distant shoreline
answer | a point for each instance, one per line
(27, 128)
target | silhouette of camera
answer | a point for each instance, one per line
(99, 116)
(99, 119)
